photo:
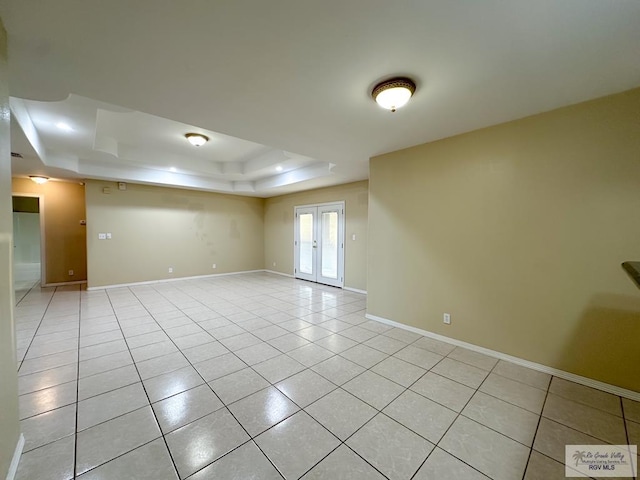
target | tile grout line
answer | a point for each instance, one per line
(75, 427)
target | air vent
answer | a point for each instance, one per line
(16, 155)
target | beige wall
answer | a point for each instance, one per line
(518, 231)
(278, 246)
(65, 238)
(9, 425)
(154, 228)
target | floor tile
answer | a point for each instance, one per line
(375, 326)
(149, 462)
(42, 401)
(586, 395)
(107, 381)
(263, 409)
(391, 448)
(435, 346)
(244, 463)
(53, 461)
(238, 385)
(153, 350)
(47, 378)
(385, 344)
(514, 392)
(338, 370)
(278, 368)
(305, 387)
(257, 353)
(183, 408)
(374, 389)
(203, 352)
(240, 341)
(479, 447)
(294, 325)
(270, 332)
(105, 363)
(631, 410)
(461, 372)
(403, 335)
(146, 339)
(227, 331)
(399, 371)
(476, 359)
(343, 464)
(503, 417)
(523, 374)
(552, 437)
(107, 348)
(591, 421)
(111, 439)
(336, 343)
(100, 338)
(313, 333)
(48, 362)
(310, 354)
(425, 417)
(199, 443)
(112, 404)
(48, 427)
(193, 340)
(341, 413)
(288, 342)
(159, 365)
(219, 366)
(541, 467)
(299, 433)
(364, 356)
(358, 334)
(441, 465)
(171, 383)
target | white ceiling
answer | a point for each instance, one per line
(288, 82)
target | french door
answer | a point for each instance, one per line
(319, 243)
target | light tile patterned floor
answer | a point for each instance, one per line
(263, 376)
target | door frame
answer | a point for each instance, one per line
(341, 239)
(43, 255)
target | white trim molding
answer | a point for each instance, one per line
(177, 279)
(17, 453)
(279, 273)
(62, 284)
(589, 382)
(355, 290)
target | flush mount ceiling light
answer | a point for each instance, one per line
(393, 93)
(65, 127)
(197, 139)
(39, 179)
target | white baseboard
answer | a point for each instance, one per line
(279, 273)
(589, 382)
(17, 453)
(62, 284)
(355, 290)
(177, 279)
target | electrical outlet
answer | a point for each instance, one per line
(447, 319)
(71, 273)
(108, 235)
(102, 236)
(170, 269)
(214, 266)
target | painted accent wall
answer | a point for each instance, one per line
(63, 208)
(9, 424)
(518, 231)
(156, 228)
(279, 229)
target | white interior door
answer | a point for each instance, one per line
(319, 243)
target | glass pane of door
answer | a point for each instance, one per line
(306, 243)
(329, 245)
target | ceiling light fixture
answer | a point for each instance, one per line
(197, 139)
(64, 126)
(39, 179)
(394, 93)
(279, 168)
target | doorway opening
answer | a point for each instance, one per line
(319, 243)
(28, 241)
